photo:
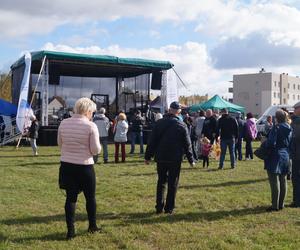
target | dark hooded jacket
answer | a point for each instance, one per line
(278, 141)
(295, 143)
(33, 130)
(169, 141)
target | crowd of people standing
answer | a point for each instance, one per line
(173, 137)
(224, 129)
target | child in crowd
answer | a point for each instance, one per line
(206, 147)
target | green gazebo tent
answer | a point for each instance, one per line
(216, 102)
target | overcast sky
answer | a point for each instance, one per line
(207, 40)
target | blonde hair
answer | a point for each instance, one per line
(122, 116)
(83, 105)
(205, 140)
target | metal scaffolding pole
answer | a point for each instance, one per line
(45, 94)
(163, 94)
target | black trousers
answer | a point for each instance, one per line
(194, 145)
(296, 182)
(205, 160)
(79, 178)
(249, 151)
(168, 173)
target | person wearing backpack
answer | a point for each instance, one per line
(295, 155)
(250, 134)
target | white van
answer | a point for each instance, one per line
(270, 111)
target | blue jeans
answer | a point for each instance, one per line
(231, 145)
(33, 145)
(138, 135)
(238, 149)
(104, 142)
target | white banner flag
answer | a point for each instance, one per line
(23, 108)
(169, 91)
(172, 91)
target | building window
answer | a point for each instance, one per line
(274, 95)
(284, 90)
(298, 87)
(288, 85)
(298, 97)
(288, 96)
(294, 86)
(293, 97)
(284, 101)
(278, 95)
(275, 83)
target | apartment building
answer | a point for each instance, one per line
(256, 92)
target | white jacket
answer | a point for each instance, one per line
(121, 131)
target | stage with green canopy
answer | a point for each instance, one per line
(216, 102)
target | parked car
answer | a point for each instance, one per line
(270, 111)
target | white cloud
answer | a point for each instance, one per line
(154, 34)
(278, 19)
(14, 24)
(254, 51)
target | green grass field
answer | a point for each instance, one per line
(214, 210)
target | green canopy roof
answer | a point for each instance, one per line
(72, 64)
(216, 102)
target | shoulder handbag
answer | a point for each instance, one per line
(264, 151)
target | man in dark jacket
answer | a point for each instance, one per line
(137, 131)
(239, 141)
(295, 155)
(169, 141)
(228, 131)
(209, 126)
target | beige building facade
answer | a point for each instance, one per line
(256, 92)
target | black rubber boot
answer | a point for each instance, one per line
(71, 233)
(70, 218)
(94, 229)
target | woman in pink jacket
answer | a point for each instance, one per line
(78, 139)
(250, 135)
